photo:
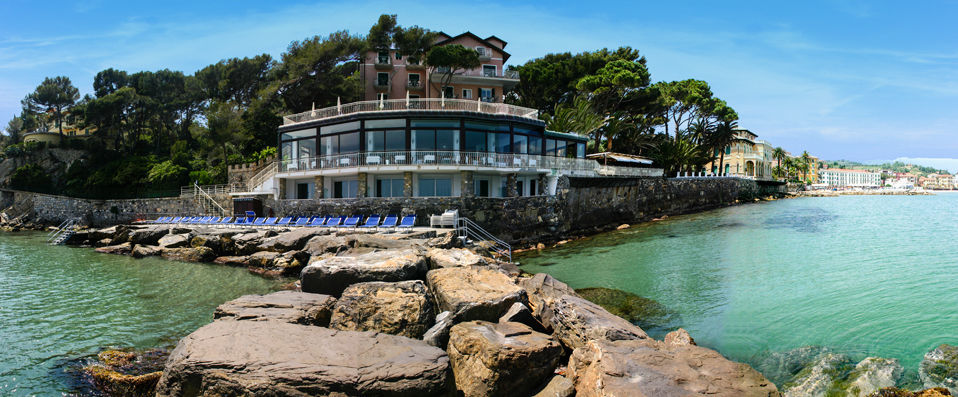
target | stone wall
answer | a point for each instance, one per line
(240, 174)
(53, 210)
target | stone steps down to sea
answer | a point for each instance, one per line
(410, 315)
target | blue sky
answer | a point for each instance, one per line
(858, 80)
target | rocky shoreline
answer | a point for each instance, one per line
(879, 192)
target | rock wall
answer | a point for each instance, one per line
(53, 210)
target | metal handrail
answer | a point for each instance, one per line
(261, 176)
(210, 200)
(471, 230)
(428, 104)
(436, 158)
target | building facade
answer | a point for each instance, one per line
(747, 156)
(388, 75)
(837, 177)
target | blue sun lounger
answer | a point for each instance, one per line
(161, 219)
(317, 221)
(390, 222)
(371, 222)
(333, 221)
(259, 222)
(352, 221)
(284, 221)
(176, 219)
(270, 222)
(225, 221)
(301, 221)
(407, 222)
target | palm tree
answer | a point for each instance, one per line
(806, 165)
(779, 155)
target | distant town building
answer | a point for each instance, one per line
(49, 132)
(838, 177)
(747, 156)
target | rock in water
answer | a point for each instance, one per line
(201, 254)
(577, 321)
(651, 368)
(332, 275)
(141, 251)
(119, 249)
(474, 293)
(287, 306)
(781, 367)
(174, 240)
(648, 314)
(819, 378)
(272, 358)
(401, 308)
(500, 359)
(679, 337)
(939, 368)
(872, 374)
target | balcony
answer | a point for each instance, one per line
(429, 159)
(401, 105)
(381, 85)
(414, 85)
(414, 65)
(383, 63)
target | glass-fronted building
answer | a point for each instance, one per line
(423, 148)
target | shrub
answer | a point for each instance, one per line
(31, 177)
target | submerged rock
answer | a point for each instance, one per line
(872, 374)
(646, 313)
(781, 367)
(652, 368)
(286, 306)
(126, 373)
(896, 392)
(332, 275)
(500, 359)
(939, 368)
(401, 308)
(820, 378)
(271, 358)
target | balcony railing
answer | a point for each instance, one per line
(439, 158)
(432, 104)
(414, 85)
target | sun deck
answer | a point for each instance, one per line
(432, 105)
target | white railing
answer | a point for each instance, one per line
(261, 177)
(191, 191)
(611, 170)
(431, 104)
(437, 158)
(471, 231)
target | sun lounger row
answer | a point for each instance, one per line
(342, 222)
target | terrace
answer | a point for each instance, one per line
(417, 105)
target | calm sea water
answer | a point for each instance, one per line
(866, 275)
(60, 303)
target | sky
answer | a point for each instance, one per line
(842, 79)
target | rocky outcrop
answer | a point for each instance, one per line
(270, 358)
(174, 240)
(286, 306)
(519, 313)
(558, 386)
(577, 321)
(651, 368)
(119, 249)
(500, 359)
(332, 275)
(819, 378)
(543, 290)
(401, 308)
(474, 293)
(293, 240)
(455, 257)
(142, 251)
(939, 368)
(872, 374)
(201, 254)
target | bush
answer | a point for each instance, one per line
(269, 154)
(31, 177)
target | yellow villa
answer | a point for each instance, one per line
(747, 157)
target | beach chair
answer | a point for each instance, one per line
(390, 222)
(225, 221)
(352, 221)
(284, 221)
(407, 222)
(333, 221)
(317, 221)
(192, 219)
(212, 220)
(161, 219)
(270, 221)
(176, 219)
(241, 221)
(258, 222)
(371, 222)
(302, 221)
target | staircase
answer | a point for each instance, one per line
(63, 232)
(470, 232)
(207, 202)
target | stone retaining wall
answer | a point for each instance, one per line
(50, 209)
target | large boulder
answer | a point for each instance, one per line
(174, 240)
(149, 235)
(100, 234)
(141, 251)
(248, 243)
(119, 249)
(286, 306)
(272, 358)
(455, 257)
(474, 293)
(262, 259)
(577, 321)
(650, 368)
(290, 241)
(401, 308)
(558, 386)
(500, 359)
(543, 290)
(219, 240)
(326, 244)
(438, 335)
(201, 254)
(332, 275)
(872, 374)
(939, 368)
(380, 242)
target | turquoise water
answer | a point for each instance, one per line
(866, 275)
(58, 304)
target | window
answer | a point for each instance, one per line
(330, 145)
(349, 143)
(346, 189)
(435, 187)
(298, 134)
(382, 79)
(728, 150)
(519, 188)
(383, 57)
(389, 187)
(467, 93)
(482, 187)
(520, 144)
(438, 139)
(532, 188)
(388, 140)
(414, 80)
(535, 145)
(332, 129)
(302, 191)
(489, 70)
(551, 147)
(482, 51)
(499, 142)
(475, 141)
(398, 55)
(448, 92)
(580, 150)
(487, 94)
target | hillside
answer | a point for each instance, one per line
(897, 166)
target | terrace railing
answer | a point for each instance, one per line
(438, 158)
(430, 105)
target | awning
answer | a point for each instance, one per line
(620, 157)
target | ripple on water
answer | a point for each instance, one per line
(58, 304)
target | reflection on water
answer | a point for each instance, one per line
(856, 274)
(58, 304)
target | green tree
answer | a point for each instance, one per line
(223, 121)
(317, 71)
(779, 155)
(449, 60)
(57, 94)
(806, 165)
(577, 118)
(14, 131)
(688, 101)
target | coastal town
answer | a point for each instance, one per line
(389, 214)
